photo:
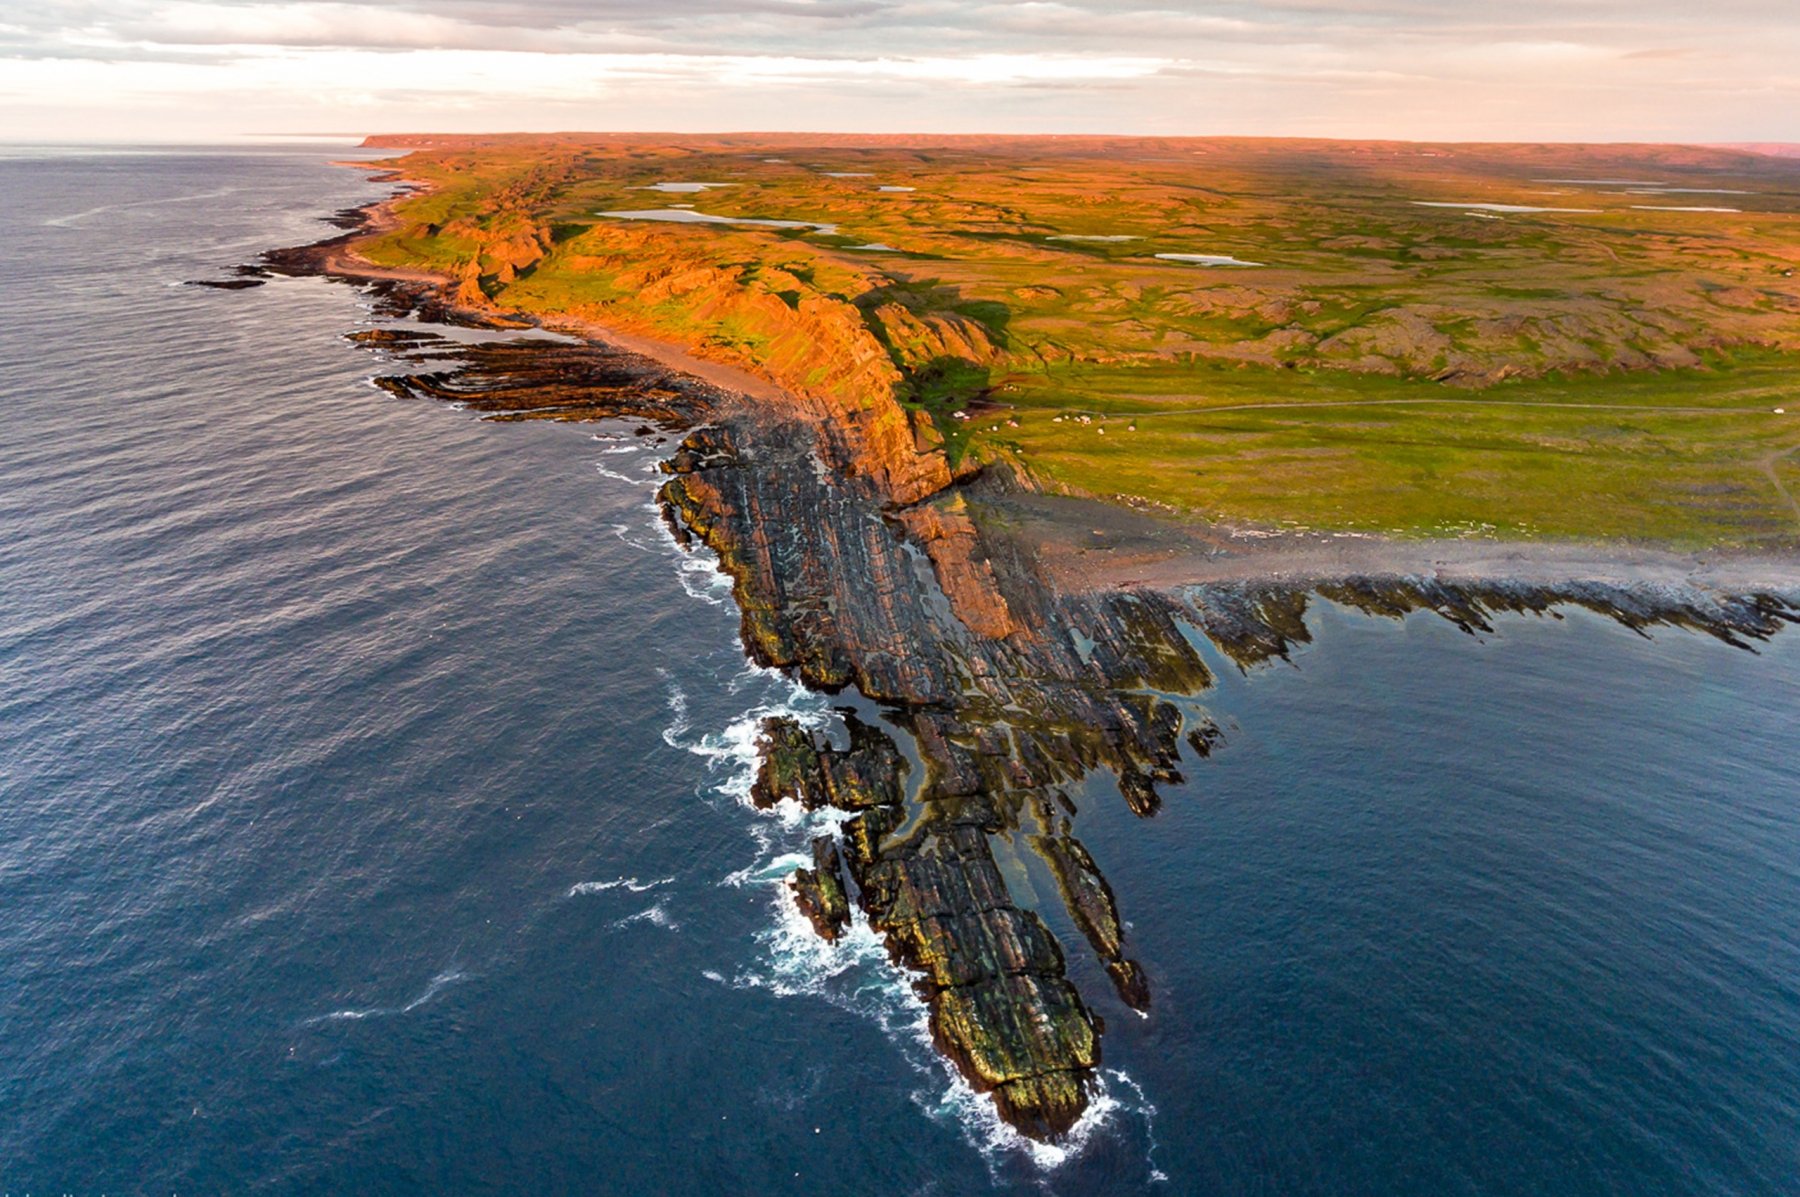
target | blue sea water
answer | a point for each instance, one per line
(371, 821)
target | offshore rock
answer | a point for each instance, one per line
(819, 891)
(1090, 902)
(788, 765)
(1205, 739)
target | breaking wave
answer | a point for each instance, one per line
(436, 986)
(631, 884)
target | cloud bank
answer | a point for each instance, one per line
(1459, 69)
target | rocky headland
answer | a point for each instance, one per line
(862, 558)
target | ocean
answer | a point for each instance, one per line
(372, 819)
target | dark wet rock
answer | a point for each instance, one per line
(819, 891)
(1205, 739)
(389, 337)
(1132, 985)
(871, 772)
(351, 218)
(1252, 623)
(225, 284)
(1090, 903)
(789, 765)
(991, 973)
(1139, 793)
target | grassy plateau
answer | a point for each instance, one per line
(1576, 342)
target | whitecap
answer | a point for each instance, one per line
(616, 476)
(704, 581)
(656, 915)
(626, 883)
(678, 710)
(437, 985)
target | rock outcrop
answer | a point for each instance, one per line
(819, 891)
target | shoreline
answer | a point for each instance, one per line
(1090, 544)
(338, 257)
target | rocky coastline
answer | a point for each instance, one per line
(862, 560)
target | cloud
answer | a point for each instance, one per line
(1596, 68)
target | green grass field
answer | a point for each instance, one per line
(1687, 457)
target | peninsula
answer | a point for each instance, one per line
(994, 432)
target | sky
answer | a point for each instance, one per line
(1562, 70)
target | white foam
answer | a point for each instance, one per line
(650, 477)
(437, 985)
(896, 189)
(1148, 1113)
(703, 580)
(626, 883)
(678, 710)
(732, 750)
(1677, 208)
(877, 247)
(656, 915)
